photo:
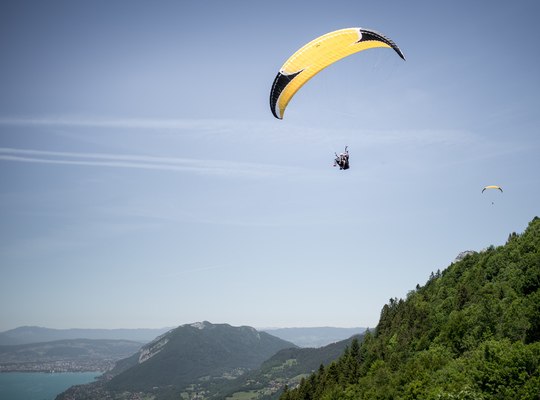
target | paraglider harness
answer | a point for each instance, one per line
(342, 160)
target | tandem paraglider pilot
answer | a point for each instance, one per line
(342, 160)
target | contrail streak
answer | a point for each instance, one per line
(114, 122)
(206, 167)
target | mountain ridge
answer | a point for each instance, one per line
(282, 368)
(192, 351)
(315, 336)
(300, 336)
(37, 334)
(199, 353)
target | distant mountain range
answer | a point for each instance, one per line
(314, 337)
(202, 355)
(302, 337)
(209, 361)
(66, 355)
(191, 352)
(36, 334)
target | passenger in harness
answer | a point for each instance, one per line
(342, 160)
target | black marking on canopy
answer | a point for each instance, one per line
(368, 35)
(279, 84)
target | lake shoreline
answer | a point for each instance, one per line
(41, 385)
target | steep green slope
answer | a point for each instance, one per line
(472, 332)
(283, 368)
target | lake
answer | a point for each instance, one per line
(39, 385)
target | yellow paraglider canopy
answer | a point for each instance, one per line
(317, 55)
(492, 187)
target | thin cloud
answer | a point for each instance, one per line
(253, 130)
(144, 123)
(204, 167)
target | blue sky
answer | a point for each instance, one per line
(145, 182)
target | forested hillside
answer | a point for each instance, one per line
(287, 366)
(471, 332)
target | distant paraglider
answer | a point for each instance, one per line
(492, 187)
(318, 54)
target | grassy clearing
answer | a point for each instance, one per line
(251, 395)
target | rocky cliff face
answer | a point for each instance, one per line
(464, 254)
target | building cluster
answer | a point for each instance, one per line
(58, 366)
